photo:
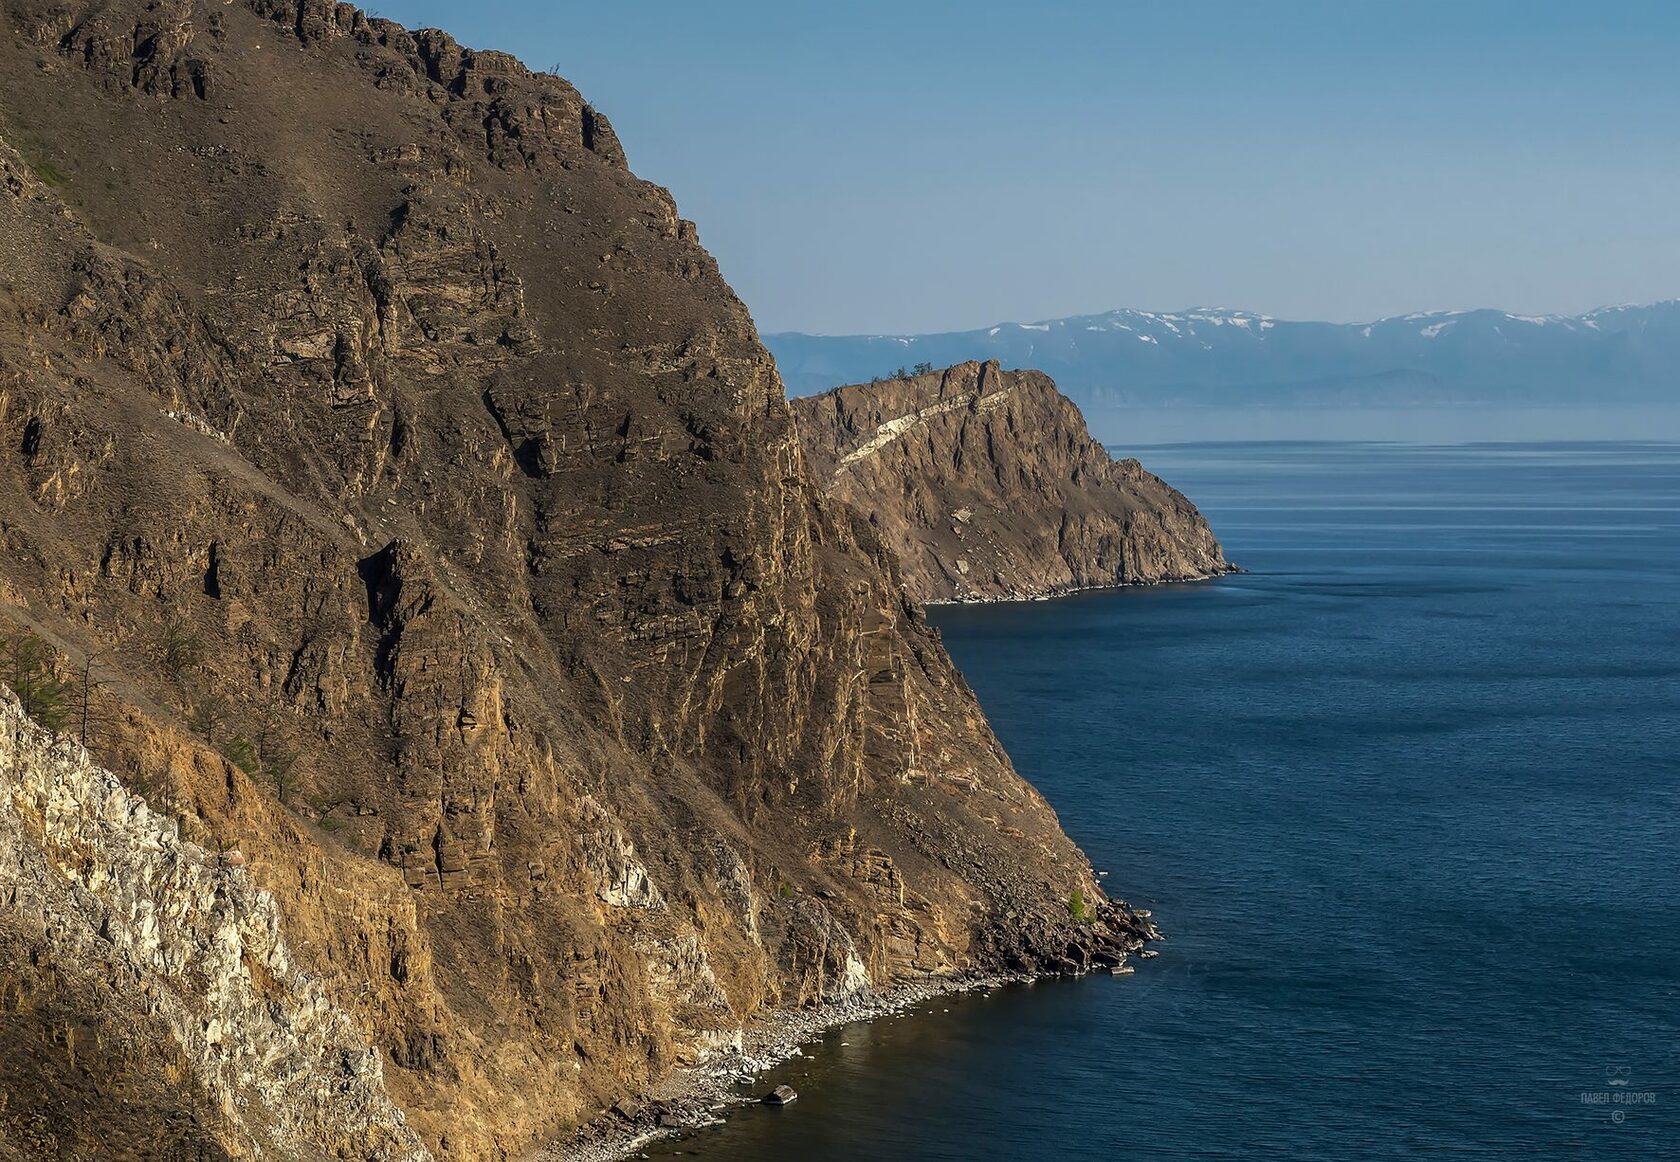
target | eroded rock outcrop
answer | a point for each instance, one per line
(987, 486)
(205, 1027)
(433, 528)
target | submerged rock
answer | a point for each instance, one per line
(780, 1096)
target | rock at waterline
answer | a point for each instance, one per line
(780, 1096)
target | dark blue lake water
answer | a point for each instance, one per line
(1405, 799)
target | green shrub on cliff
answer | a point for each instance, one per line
(242, 753)
(182, 649)
(207, 715)
(50, 173)
(27, 669)
(1077, 907)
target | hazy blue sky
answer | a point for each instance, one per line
(873, 166)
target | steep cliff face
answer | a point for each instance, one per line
(987, 486)
(432, 527)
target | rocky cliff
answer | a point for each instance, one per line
(422, 518)
(987, 486)
(163, 978)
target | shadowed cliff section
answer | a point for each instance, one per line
(987, 486)
(437, 534)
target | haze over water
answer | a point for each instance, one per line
(1404, 798)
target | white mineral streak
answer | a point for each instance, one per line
(618, 875)
(110, 882)
(897, 429)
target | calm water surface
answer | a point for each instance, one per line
(1405, 800)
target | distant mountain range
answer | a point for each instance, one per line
(1627, 354)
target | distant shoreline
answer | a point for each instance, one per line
(1134, 428)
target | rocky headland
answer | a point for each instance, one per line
(488, 710)
(987, 486)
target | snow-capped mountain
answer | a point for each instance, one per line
(1216, 356)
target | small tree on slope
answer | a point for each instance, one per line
(26, 667)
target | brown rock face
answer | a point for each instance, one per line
(433, 530)
(987, 486)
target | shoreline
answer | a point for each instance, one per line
(693, 1097)
(1072, 590)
